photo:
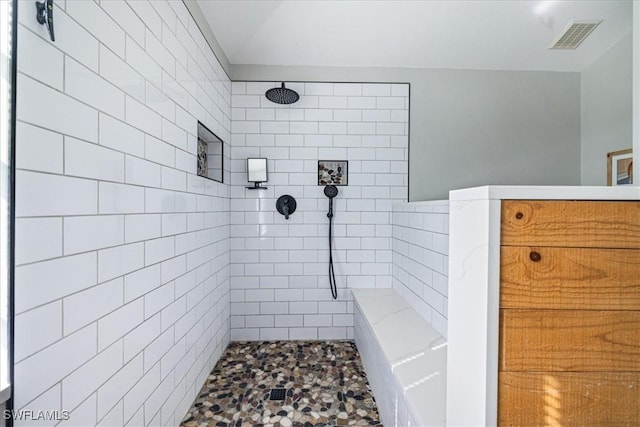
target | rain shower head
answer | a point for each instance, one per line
(282, 95)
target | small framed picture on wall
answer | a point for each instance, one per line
(620, 167)
(333, 172)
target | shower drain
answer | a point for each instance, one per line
(277, 394)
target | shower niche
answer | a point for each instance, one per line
(210, 154)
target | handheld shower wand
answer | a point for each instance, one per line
(331, 191)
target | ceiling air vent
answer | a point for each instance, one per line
(574, 34)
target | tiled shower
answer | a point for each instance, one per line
(132, 272)
(279, 268)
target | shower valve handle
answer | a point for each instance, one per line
(286, 205)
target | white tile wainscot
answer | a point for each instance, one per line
(420, 245)
(474, 282)
(405, 359)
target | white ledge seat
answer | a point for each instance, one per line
(404, 357)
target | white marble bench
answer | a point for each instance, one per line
(404, 357)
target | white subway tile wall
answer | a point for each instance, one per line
(421, 258)
(122, 277)
(279, 268)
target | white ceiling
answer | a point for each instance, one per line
(475, 34)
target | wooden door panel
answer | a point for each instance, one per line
(569, 399)
(571, 223)
(569, 340)
(569, 278)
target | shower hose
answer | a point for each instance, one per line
(332, 274)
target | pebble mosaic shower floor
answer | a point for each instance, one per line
(324, 382)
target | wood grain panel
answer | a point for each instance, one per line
(569, 340)
(571, 223)
(569, 399)
(570, 278)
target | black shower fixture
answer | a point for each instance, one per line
(286, 205)
(331, 191)
(44, 15)
(282, 95)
